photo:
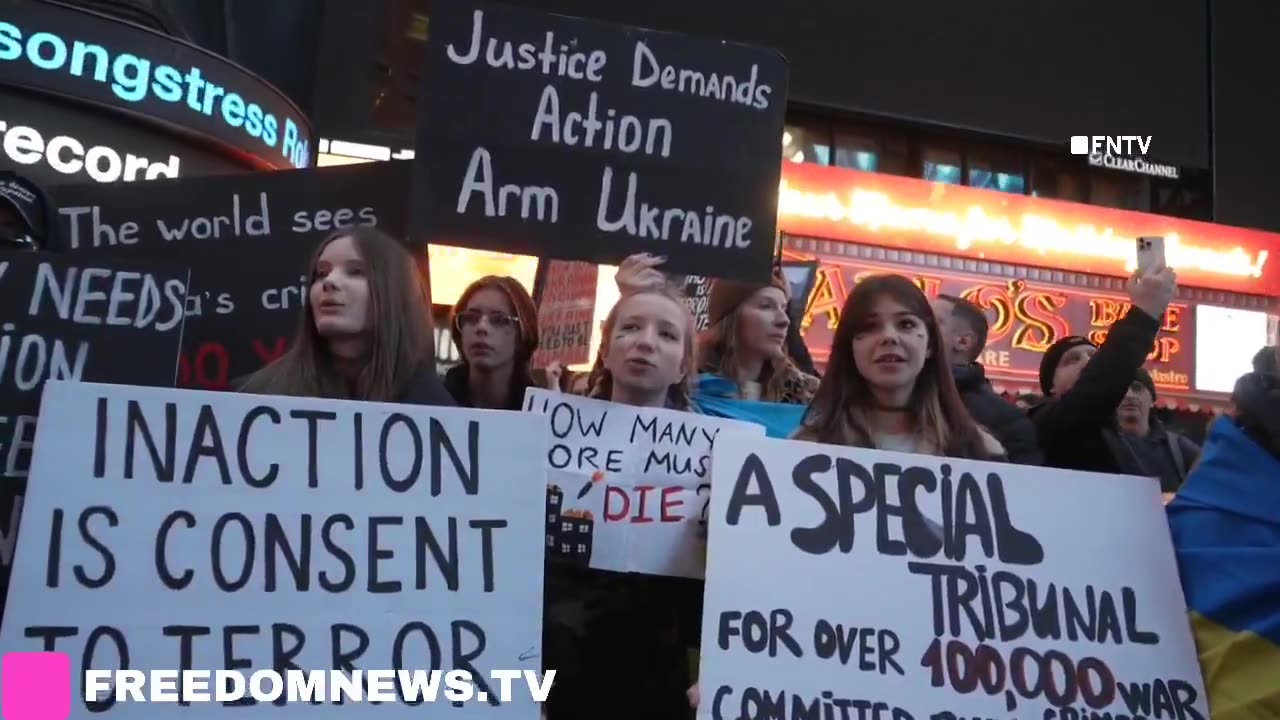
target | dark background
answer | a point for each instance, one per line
(1194, 74)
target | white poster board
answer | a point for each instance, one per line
(628, 487)
(908, 587)
(215, 531)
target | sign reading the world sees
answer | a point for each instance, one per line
(585, 140)
(847, 583)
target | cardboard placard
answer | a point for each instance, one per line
(247, 239)
(566, 309)
(628, 487)
(582, 140)
(931, 588)
(697, 296)
(66, 318)
(227, 531)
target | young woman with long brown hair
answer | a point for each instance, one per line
(495, 328)
(888, 383)
(746, 343)
(365, 331)
(619, 641)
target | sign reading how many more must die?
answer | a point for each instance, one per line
(627, 487)
(582, 140)
(850, 584)
(181, 529)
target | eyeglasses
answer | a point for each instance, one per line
(497, 320)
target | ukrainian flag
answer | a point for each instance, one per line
(1226, 531)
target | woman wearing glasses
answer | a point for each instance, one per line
(365, 332)
(495, 328)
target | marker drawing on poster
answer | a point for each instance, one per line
(585, 140)
(628, 488)
(948, 589)
(180, 529)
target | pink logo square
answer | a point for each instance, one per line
(35, 686)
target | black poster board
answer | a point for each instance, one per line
(247, 239)
(561, 137)
(107, 320)
(801, 276)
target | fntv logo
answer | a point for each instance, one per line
(1121, 152)
(1110, 145)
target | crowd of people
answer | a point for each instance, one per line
(903, 374)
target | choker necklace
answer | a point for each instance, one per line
(889, 409)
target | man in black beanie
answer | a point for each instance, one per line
(1267, 360)
(1151, 448)
(1084, 384)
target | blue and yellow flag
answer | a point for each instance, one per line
(718, 397)
(1226, 531)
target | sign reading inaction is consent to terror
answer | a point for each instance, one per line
(945, 590)
(584, 140)
(628, 488)
(181, 529)
(102, 320)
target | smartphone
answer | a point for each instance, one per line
(1150, 253)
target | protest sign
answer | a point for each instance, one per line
(628, 487)
(801, 276)
(247, 238)
(566, 309)
(584, 140)
(697, 296)
(947, 589)
(181, 529)
(102, 320)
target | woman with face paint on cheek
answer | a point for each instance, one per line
(365, 333)
(888, 383)
(628, 656)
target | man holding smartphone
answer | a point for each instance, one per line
(1084, 383)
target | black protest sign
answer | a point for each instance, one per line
(697, 297)
(568, 138)
(981, 590)
(801, 276)
(66, 318)
(247, 239)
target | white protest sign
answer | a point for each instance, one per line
(847, 583)
(174, 529)
(628, 487)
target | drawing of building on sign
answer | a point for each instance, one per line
(569, 532)
(555, 505)
(576, 528)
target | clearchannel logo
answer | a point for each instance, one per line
(1116, 152)
(135, 79)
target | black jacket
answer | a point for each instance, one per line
(424, 388)
(1077, 430)
(457, 381)
(619, 643)
(1006, 421)
(1163, 454)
